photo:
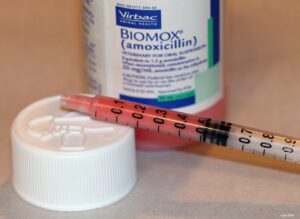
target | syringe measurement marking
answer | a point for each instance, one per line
(267, 145)
(213, 135)
(210, 132)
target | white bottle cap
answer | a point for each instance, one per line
(67, 162)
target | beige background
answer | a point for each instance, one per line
(41, 55)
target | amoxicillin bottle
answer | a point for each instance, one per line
(164, 53)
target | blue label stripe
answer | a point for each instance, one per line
(215, 14)
(154, 102)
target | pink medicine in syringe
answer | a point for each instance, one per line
(185, 126)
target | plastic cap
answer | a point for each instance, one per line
(67, 162)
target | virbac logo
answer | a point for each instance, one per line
(138, 19)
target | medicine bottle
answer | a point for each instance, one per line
(165, 53)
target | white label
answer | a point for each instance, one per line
(162, 53)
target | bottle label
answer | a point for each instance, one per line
(163, 53)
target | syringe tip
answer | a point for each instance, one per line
(64, 99)
(79, 103)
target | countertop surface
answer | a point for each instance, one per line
(41, 55)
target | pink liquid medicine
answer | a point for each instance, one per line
(152, 140)
(160, 53)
